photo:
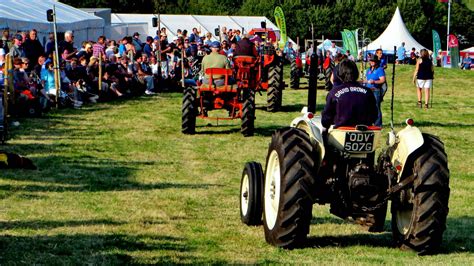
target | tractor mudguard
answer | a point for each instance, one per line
(408, 140)
(267, 60)
(313, 127)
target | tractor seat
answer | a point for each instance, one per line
(211, 85)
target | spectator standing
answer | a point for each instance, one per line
(375, 78)
(413, 56)
(289, 52)
(137, 43)
(2, 55)
(349, 56)
(423, 77)
(66, 47)
(148, 46)
(98, 49)
(49, 47)
(7, 43)
(383, 61)
(401, 51)
(33, 48)
(333, 50)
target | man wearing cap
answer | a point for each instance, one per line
(215, 60)
(17, 50)
(375, 79)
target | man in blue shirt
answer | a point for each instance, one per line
(375, 79)
(401, 54)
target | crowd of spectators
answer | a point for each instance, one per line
(130, 66)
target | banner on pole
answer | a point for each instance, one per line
(436, 45)
(281, 24)
(349, 41)
(453, 45)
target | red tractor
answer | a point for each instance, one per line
(271, 70)
(238, 99)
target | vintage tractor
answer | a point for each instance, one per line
(305, 165)
(271, 69)
(238, 99)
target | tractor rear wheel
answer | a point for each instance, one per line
(188, 110)
(274, 92)
(251, 191)
(419, 212)
(288, 180)
(248, 114)
(294, 76)
(327, 76)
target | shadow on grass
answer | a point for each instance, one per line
(371, 240)
(41, 224)
(88, 248)
(85, 173)
(458, 237)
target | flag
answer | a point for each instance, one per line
(345, 42)
(436, 45)
(351, 42)
(453, 45)
(281, 24)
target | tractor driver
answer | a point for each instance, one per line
(245, 47)
(215, 60)
(350, 103)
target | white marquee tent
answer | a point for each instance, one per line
(127, 24)
(22, 15)
(395, 33)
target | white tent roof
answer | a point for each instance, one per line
(469, 50)
(21, 15)
(186, 22)
(395, 33)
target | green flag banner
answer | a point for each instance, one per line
(436, 45)
(345, 43)
(351, 42)
(281, 24)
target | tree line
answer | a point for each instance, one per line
(329, 17)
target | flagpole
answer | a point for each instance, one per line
(447, 37)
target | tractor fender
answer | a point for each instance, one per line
(314, 128)
(408, 140)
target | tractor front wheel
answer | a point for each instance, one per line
(419, 212)
(251, 191)
(188, 111)
(288, 182)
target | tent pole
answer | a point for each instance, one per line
(56, 59)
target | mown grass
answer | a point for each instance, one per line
(118, 183)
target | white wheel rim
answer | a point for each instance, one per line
(405, 213)
(272, 190)
(244, 195)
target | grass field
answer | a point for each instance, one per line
(119, 183)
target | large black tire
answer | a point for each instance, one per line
(248, 114)
(327, 77)
(288, 181)
(274, 92)
(251, 192)
(294, 76)
(419, 212)
(188, 111)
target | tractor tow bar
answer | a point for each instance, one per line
(391, 191)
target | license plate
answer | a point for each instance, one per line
(359, 141)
